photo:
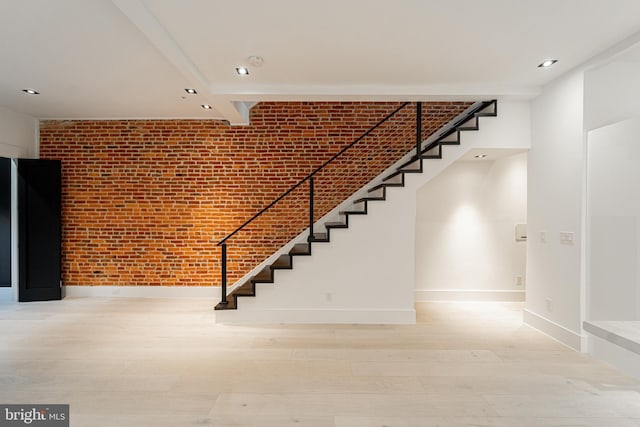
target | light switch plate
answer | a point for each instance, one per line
(567, 238)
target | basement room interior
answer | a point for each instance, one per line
(335, 214)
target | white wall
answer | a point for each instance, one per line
(366, 274)
(18, 138)
(18, 134)
(603, 91)
(612, 92)
(465, 231)
(613, 209)
(556, 179)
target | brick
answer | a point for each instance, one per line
(145, 201)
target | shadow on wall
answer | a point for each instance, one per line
(466, 246)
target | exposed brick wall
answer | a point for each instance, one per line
(145, 201)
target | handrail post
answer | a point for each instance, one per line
(311, 191)
(224, 274)
(318, 169)
(418, 128)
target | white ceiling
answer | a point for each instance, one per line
(133, 58)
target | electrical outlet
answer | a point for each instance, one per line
(549, 305)
(543, 237)
(519, 280)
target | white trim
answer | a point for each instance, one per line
(354, 92)
(15, 265)
(558, 332)
(36, 143)
(585, 256)
(619, 357)
(212, 292)
(307, 316)
(119, 118)
(616, 332)
(423, 295)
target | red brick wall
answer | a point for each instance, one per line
(146, 201)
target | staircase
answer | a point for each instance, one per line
(412, 163)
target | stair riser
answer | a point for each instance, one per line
(472, 124)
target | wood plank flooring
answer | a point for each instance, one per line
(164, 362)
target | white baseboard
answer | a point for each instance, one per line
(558, 332)
(212, 292)
(615, 355)
(424, 295)
(317, 316)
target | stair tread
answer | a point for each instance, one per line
(266, 275)
(433, 151)
(230, 305)
(392, 175)
(320, 237)
(412, 160)
(379, 193)
(335, 224)
(456, 142)
(470, 124)
(371, 199)
(384, 185)
(451, 136)
(482, 111)
(426, 152)
(283, 262)
(300, 249)
(406, 169)
(247, 289)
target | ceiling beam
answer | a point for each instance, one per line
(236, 113)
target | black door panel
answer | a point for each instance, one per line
(39, 230)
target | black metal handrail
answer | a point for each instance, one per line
(308, 177)
(223, 242)
(462, 118)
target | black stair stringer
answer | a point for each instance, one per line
(449, 135)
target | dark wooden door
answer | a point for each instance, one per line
(39, 230)
(5, 222)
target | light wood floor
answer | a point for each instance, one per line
(161, 362)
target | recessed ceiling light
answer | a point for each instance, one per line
(547, 63)
(31, 91)
(243, 71)
(191, 91)
(480, 156)
(206, 106)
